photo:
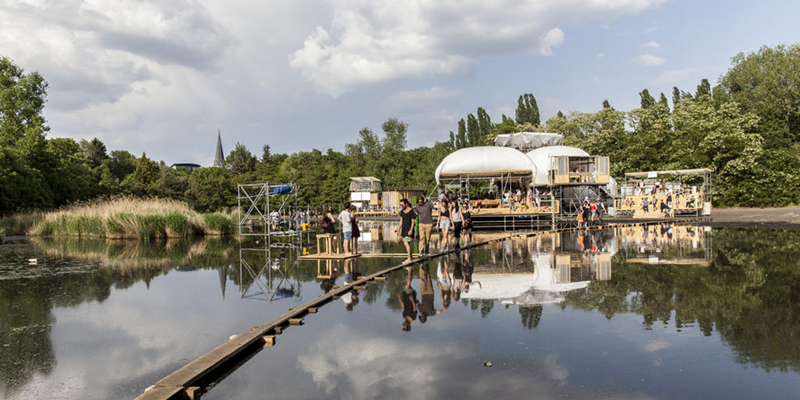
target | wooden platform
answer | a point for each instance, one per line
(329, 256)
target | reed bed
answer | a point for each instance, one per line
(131, 217)
(19, 223)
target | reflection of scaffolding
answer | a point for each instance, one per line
(267, 277)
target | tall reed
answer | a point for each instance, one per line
(131, 217)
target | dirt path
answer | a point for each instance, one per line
(779, 218)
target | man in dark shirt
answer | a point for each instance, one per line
(406, 228)
(424, 210)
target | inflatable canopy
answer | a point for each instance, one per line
(485, 162)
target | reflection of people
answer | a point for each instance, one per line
(426, 293)
(468, 268)
(424, 210)
(408, 301)
(406, 228)
(445, 284)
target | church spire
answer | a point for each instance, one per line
(219, 159)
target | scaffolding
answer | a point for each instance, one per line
(267, 209)
(270, 220)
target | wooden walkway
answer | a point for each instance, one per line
(191, 381)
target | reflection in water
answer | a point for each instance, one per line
(745, 290)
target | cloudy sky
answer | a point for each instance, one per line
(162, 76)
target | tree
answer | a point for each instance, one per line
(211, 189)
(95, 151)
(767, 83)
(22, 98)
(241, 160)
(647, 100)
(527, 110)
(121, 164)
(146, 171)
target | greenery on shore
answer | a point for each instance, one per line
(124, 217)
(746, 128)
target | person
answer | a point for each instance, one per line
(424, 210)
(347, 228)
(408, 301)
(467, 269)
(601, 210)
(354, 228)
(350, 298)
(458, 222)
(580, 218)
(328, 223)
(406, 228)
(444, 224)
(426, 293)
(592, 211)
(444, 282)
(467, 215)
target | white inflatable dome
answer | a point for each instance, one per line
(485, 161)
(541, 160)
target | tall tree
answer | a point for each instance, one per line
(241, 160)
(527, 110)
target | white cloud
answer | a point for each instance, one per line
(652, 45)
(650, 60)
(654, 346)
(600, 55)
(676, 76)
(551, 39)
(434, 93)
(375, 41)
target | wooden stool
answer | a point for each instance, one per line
(328, 243)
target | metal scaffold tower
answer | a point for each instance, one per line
(270, 213)
(267, 209)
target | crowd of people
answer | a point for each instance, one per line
(591, 212)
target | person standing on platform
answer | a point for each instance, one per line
(424, 210)
(458, 222)
(347, 228)
(406, 228)
(328, 224)
(356, 233)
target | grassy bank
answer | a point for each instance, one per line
(124, 217)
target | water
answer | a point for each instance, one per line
(663, 312)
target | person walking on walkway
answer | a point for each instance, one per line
(458, 222)
(444, 224)
(406, 228)
(424, 210)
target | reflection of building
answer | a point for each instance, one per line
(541, 269)
(666, 244)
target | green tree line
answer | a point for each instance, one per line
(746, 128)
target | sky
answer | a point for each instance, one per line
(164, 76)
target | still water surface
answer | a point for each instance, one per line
(634, 313)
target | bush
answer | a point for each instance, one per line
(218, 223)
(177, 224)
